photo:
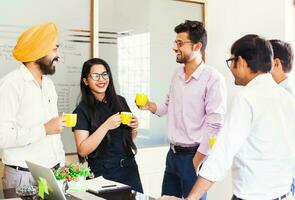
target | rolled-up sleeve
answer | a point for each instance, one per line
(234, 133)
(215, 108)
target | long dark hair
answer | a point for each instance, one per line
(111, 97)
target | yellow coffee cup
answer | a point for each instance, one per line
(70, 119)
(141, 99)
(126, 118)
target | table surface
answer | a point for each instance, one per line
(120, 195)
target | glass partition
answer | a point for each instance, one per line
(136, 39)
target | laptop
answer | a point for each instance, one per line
(54, 190)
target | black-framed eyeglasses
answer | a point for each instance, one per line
(96, 76)
(180, 43)
(228, 61)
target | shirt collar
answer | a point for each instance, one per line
(28, 76)
(26, 73)
(260, 79)
(196, 74)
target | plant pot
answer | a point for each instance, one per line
(76, 184)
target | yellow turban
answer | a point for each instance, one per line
(36, 42)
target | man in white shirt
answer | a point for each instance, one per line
(283, 62)
(29, 123)
(257, 140)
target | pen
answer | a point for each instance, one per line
(106, 186)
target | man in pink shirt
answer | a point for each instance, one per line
(195, 108)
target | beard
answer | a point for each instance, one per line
(46, 65)
(182, 58)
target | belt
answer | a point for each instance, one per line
(27, 169)
(184, 150)
(123, 162)
(18, 168)
(279, 198)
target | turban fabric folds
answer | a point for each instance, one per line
(36, 42)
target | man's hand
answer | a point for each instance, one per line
(145, 107)
(55, 125)
(151, 106)
(198, 160)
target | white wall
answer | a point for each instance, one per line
(228, 21)
(231, 19)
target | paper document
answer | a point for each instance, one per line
(100, 184)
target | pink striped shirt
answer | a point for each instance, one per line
(194, 107)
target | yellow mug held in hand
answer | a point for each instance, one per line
(70, 119)
(126, 118)
(141, 99)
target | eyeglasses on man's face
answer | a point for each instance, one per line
(229, 61)
(96, 76)
(180, 43)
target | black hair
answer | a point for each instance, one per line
(111, 97)
(196, 32)
(283, 51)
(256, 51)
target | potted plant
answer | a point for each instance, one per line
(73, 173)
(77, 173)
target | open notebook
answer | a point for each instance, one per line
(101, 185)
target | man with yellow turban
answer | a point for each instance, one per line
(29, 123)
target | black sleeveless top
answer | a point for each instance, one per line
(107, 148)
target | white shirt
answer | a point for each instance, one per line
(257, 141)
(25, 108)
(287, 84)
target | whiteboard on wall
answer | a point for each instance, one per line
(73, 22)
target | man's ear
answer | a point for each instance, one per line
(197, 46)
(277, 63)
(85, 81)
(242, 62)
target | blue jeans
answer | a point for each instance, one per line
(180, 175)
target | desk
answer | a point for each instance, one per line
(120, 195)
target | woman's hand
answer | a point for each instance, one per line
(134, 126)
(113, 121)
(134, 122)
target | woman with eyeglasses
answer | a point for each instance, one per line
(100, 137)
